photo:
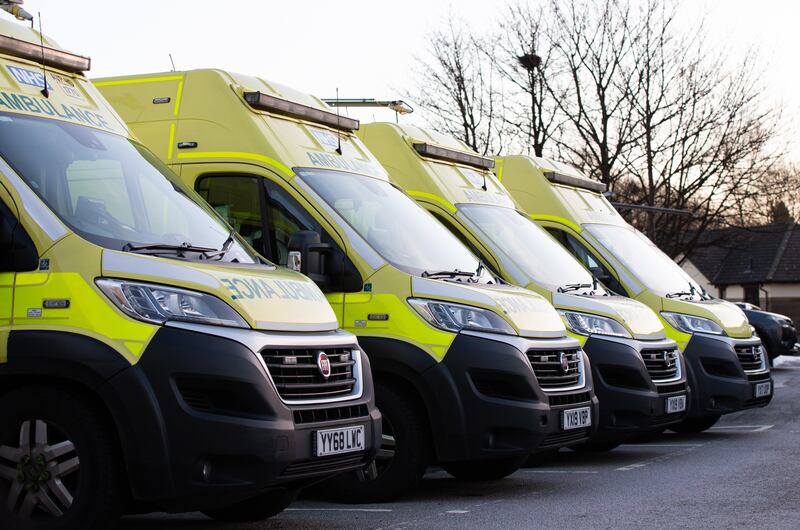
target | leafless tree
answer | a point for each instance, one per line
(521, 54)
(457, 86)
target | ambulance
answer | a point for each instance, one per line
(727, 366)
(638, 373)
(139, 371)
(451, 346)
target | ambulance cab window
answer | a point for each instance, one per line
(238, 200)
(588, 260)
(284, 217)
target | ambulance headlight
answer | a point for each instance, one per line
(455, 317)
(692, 324)
(158, 304)
(587, 324)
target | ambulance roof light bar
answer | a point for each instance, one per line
(42, 54)
(452, 155)
(265, 102)
(15, 8)
(575, 180)
(397, 105)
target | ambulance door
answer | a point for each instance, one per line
(9, 230)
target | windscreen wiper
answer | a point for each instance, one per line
(678, 294)
(157, 248)
(226, 246)
(574, 287)
(447, 274)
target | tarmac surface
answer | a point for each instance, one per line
(742, 473)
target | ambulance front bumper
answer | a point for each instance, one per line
(724, 376)
(632, 400)
(205, 427)
(489, 403)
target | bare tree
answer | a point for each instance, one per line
(525, 61)
(702, 134)
(457, 85)
(592, 41)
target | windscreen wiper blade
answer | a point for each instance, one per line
(447, 274)
(574, 287)
(226, 246)
(678, 294)
(164, 247)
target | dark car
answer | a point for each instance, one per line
(777, 332)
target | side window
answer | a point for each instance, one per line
(588, 260)
(285, 217)
(239, 200)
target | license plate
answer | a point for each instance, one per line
(339, 441)
(763, 389)
(576, 418)
(676, 404)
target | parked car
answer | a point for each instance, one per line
(777, 332)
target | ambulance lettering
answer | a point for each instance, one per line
(37, 105)
(28, 77)
(261, 289)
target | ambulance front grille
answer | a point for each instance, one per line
(551, 372)
(662, 365)
(750, 357)
(298, 376)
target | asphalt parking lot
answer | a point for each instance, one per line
(744, 472)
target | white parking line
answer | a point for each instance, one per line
(662, 445)
(566, 471)
(376, 510)
(457, 511)
(744, 428)
(682, 450)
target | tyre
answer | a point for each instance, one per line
(58, 462)
(401, 460)
(594, 447)
(694, 425)
(481, 470)
(258, 508)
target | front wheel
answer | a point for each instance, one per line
(695, 425)
(58, 463)
(401, 460)
(481, 470)
(258, 508)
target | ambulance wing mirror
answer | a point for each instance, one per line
(308, 255)
(600, 273)
(17, 251)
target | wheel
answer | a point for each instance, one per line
(401, 460)
(58, 463)
(594, 447)
(695, 425)
(258, 508)
(478, 470)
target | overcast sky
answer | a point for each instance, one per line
(366, 48)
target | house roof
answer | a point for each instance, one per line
(753, 254)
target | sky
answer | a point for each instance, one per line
(363, 48)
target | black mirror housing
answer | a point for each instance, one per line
(17, 251)
(306, 246)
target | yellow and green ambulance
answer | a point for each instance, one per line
(638, 373)
(149, 358)
(727, 365)
(451, 346)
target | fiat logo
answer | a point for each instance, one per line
(564, 362)
(324, 364)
